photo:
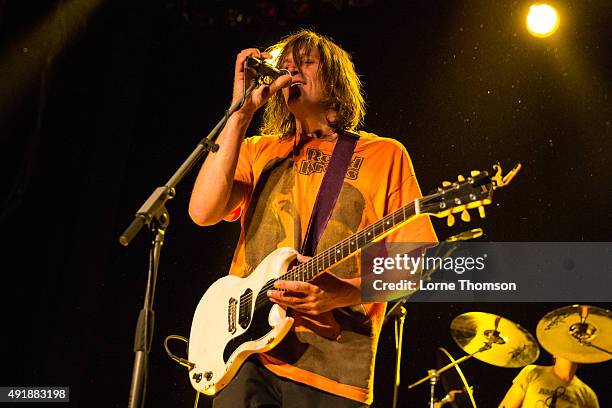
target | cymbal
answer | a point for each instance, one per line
(455, 380)
(502, 342)
(567, 332)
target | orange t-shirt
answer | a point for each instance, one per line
(280, 179)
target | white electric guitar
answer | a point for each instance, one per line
(235, 318)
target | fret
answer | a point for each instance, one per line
(353, 243)
(324, 261)
(297, 273)
(368, 235)
(388, 222)
(345, 248)
(398, 217)
(320, 265)
(362, 240)
(337, 250)
(331, 258)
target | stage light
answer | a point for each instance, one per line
(542, 20)
(24, 64)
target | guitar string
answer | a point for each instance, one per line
(321, 257)
(300, 269)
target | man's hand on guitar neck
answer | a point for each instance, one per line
(322, 294)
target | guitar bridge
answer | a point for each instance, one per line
(231, 315)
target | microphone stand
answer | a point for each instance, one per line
(399, 311)
(153, 213)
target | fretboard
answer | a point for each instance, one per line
(352, 244)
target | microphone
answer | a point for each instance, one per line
(265, 69)
(465, 235)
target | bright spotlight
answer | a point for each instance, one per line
(542, 20)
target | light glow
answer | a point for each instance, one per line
(542, 20)
(275, 52)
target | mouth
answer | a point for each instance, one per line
(295, 90)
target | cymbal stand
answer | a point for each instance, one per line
(589, 344)
(433, 375)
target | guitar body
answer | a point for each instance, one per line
(227, 328)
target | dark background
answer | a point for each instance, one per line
(100, 107)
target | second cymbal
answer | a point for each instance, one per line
(509, 344)
(567, 332)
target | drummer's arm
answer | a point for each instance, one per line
(514, 397)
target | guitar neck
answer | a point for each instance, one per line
(354, 243)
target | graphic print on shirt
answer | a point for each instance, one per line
(272, 220)
(558, 394)
(316, 162)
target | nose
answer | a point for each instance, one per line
(291, 67)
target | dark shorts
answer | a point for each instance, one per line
(256, 387)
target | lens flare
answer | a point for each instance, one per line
(542, 20)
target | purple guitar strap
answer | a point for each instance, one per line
(329, 190)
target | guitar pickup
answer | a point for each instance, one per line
(231, 315)
(244, 314)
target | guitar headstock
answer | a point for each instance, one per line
(466, 193)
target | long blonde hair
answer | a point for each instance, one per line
(343, 86)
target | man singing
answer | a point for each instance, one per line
(270, 182)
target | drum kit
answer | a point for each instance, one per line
(579, 333)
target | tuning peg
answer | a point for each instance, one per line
(450, 221)
(474, 173)
(465, 216)
(481, 211)
(460, 178)
(446, 183)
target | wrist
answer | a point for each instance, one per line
(242, 118)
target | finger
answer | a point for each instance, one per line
(305, 308)
(300, 307)
(266, 91)
(242, 56)
(303, 258)
(287, 295)
(266, 55)
(285, 299)
(282, 81)
(294, 286)
(279, 303)
(282, 304)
